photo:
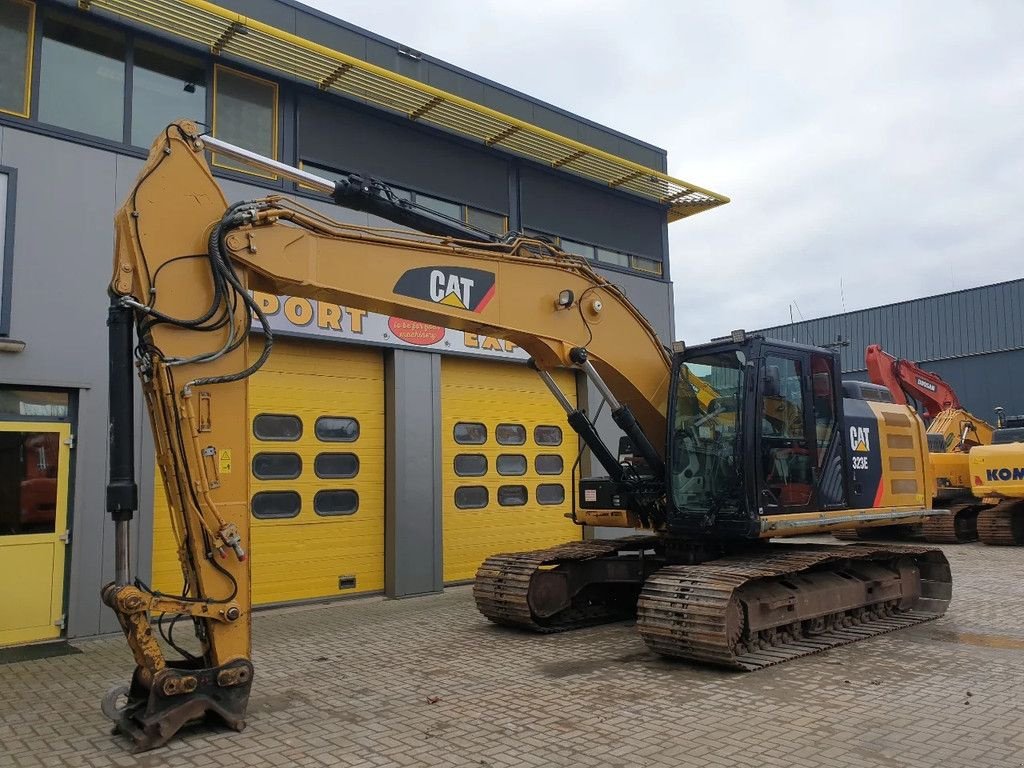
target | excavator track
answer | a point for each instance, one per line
(502, 585)
(752, 611)
(958, 527)
(1003, 524)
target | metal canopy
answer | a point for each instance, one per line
(225, 32)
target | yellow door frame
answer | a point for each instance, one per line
(58, 538)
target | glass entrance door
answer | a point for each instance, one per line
(34, 461)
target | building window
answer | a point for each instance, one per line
(550, 493)
(276, 466)
(603, 255)
(612, 257)
(6, 247)
(653, 266)
(274, 426)
(495, 223)
(443, 207)
(577, 249)
(336, 466)
(81, 78)
(471, 497)
(49, 404)
(545, 434)
(244, 113)
(512, 495)
(470, 465)
(332, 503)
(470, 433)
(510, 434)
(511, 464)
(548, 464)
(276, 505)
(336, 429)
(165, 87)
(17, 25)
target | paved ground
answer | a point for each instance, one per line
(351, 684)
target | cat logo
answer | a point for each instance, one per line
(860, 439)
(459, 287)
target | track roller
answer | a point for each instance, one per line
(565, 587)
(1003, 524)
(958, 527)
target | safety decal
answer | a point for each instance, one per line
(458, 287)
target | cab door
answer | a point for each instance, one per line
(786, 444)
(34, 463)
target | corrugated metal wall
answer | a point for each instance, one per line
(974, 339)
(970, 322)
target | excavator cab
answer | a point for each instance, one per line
(768, 443)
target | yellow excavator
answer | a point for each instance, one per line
(734, 443)
(997, 474)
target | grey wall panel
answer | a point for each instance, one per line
(313, 27)
(558, 205)
(455, 82)
(271, 12)
(412, 507)
(964, 323)
(62, 263)
(347, 139)
(983, 382)
(652, 297)
(386, 55)
(554, 120)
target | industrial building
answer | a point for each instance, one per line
(387, 456)
(973, 339)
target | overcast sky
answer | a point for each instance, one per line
(873, 151)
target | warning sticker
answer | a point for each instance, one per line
(590, 494)
(225, 461)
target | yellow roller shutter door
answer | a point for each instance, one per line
(507, 457)
(317, 476)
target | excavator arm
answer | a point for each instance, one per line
(185, 265)
(959, 429)
(906, 379)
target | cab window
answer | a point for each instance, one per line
(785, 453)
(823, 403)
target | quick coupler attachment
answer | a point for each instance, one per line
(181, 694)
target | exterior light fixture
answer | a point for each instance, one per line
(565, 299)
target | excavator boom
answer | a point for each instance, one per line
(185, 266)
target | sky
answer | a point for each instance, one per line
(873, 151)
